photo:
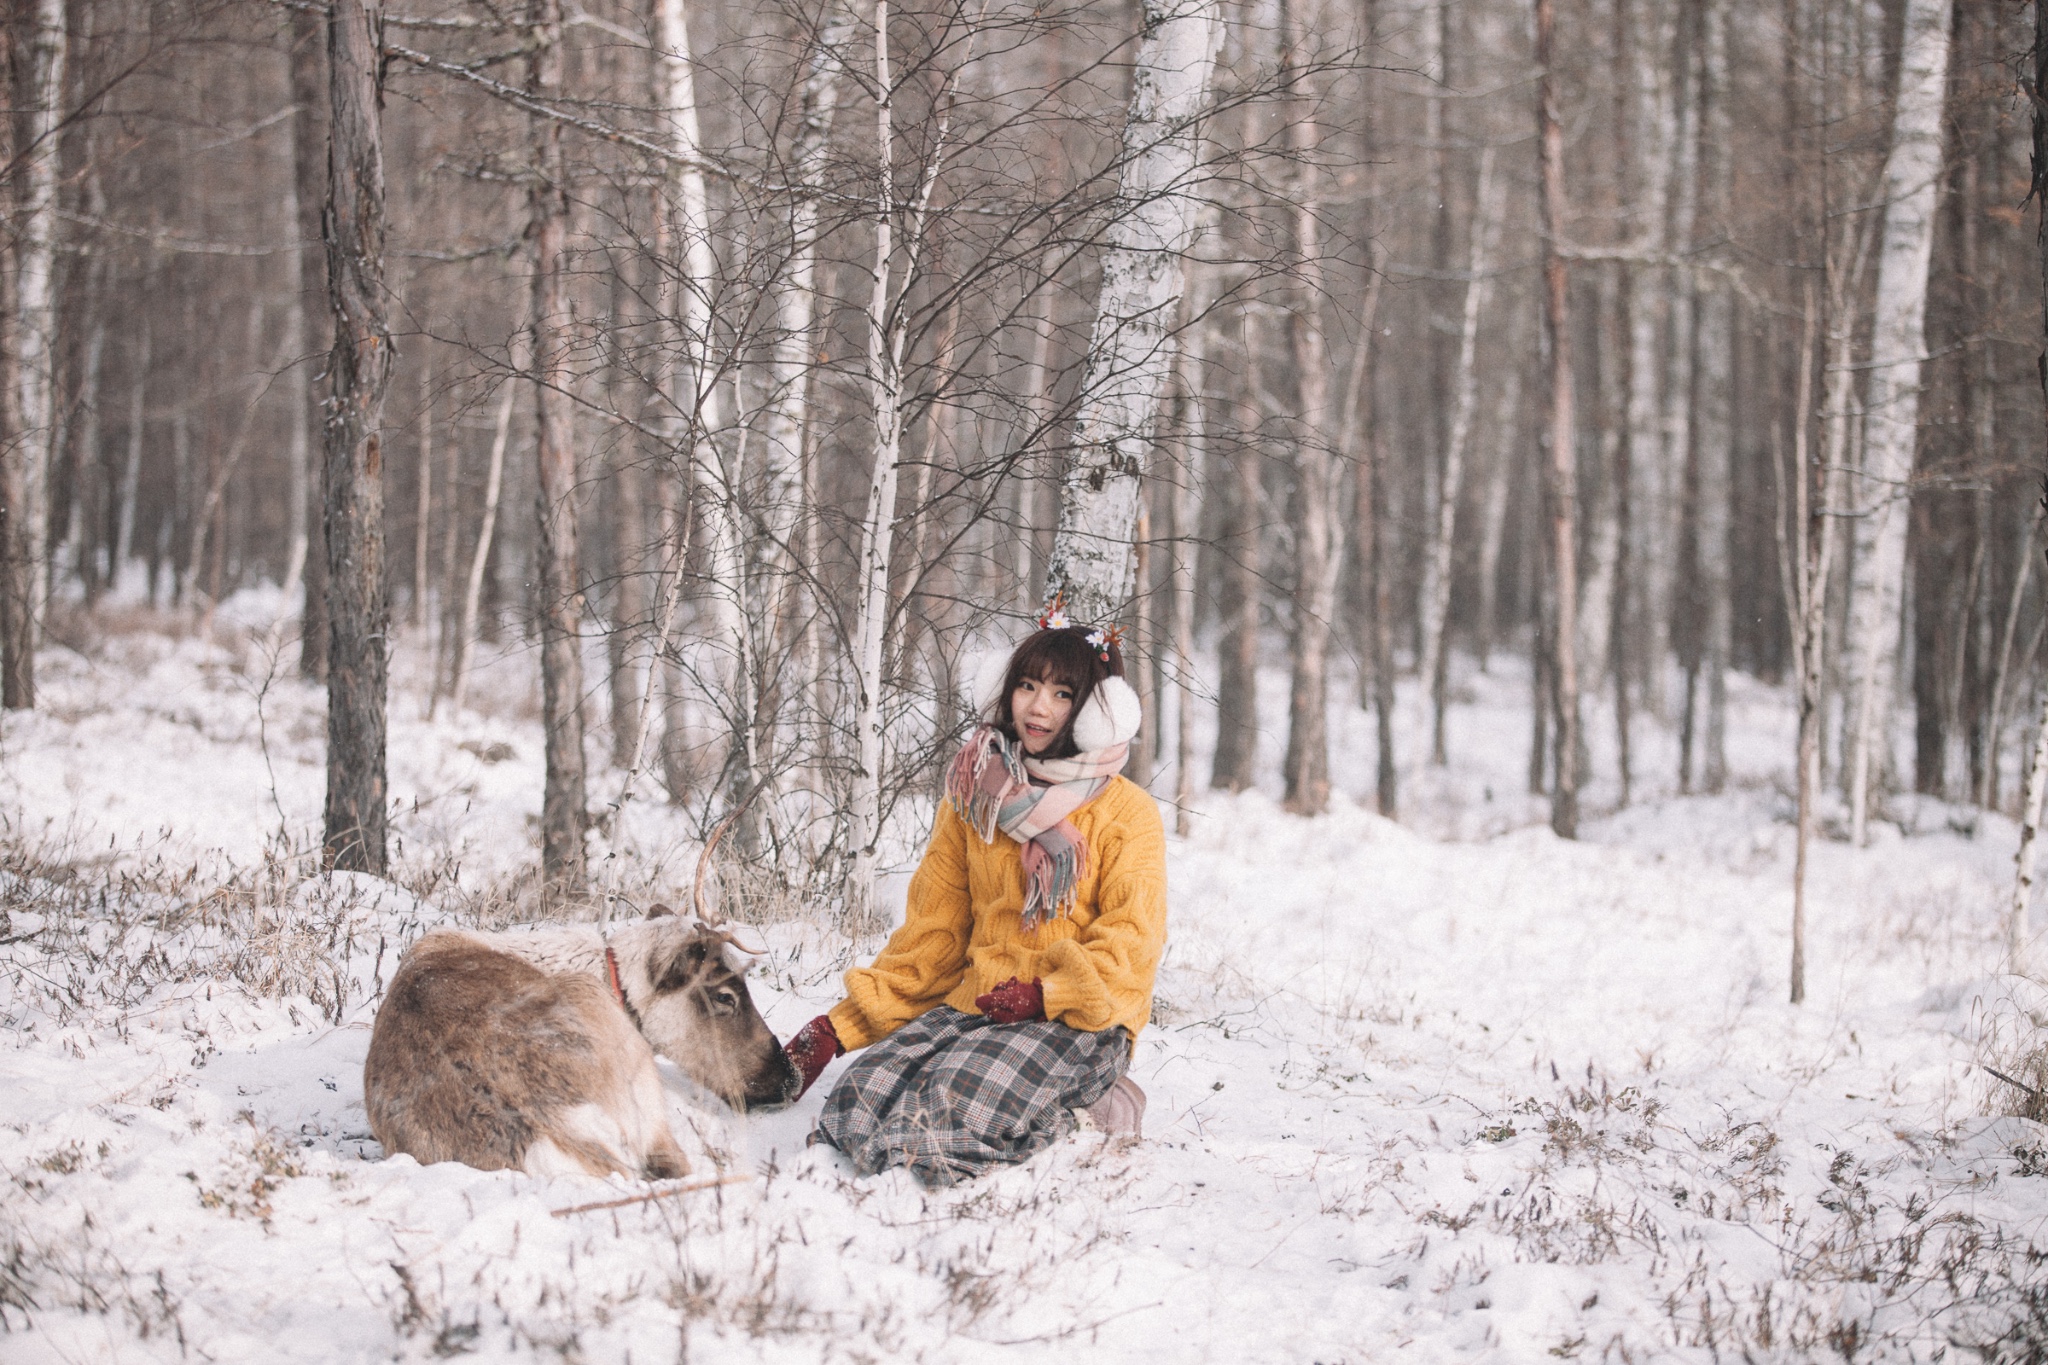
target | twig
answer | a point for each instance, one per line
(2017, 1085)
(652, 1195)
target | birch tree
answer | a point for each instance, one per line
(1436, 568)
(2016, 935)
(25, 480)
(1878, 489)
(696, 395)
(885, 387)
(1318, 466)
(1130, 352)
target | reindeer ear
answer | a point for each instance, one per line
(658, 910)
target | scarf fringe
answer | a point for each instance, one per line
(1055, 859)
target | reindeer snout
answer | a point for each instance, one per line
(775, 1086)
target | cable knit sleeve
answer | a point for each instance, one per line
(1097, 977)
(924, 959)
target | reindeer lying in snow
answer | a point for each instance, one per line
(535, 1049)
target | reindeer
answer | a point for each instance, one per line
(534, 1049)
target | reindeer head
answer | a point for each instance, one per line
(687, 980)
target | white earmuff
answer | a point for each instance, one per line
(1111, 716)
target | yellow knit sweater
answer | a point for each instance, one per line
(963, 930)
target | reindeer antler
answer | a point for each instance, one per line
(704, 860)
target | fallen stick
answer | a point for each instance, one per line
(651, 1195)
(2017, 1085)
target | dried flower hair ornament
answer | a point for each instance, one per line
(1103, 637)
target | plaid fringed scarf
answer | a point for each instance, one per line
(990, 784)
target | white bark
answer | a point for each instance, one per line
(695, 396)
(1130, 353)
(473, 589)
(864, 809)
(796, 300)
(1878, 489)
(1436, 567)
(36, 336)
(131, 473)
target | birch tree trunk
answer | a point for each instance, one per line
(25, 520)
(2037, 776)
(1657, 312)
(1318, 464)
(1360, 444)
(1562, 465)
(885, 385)
(1436, 567)
(138, 415)
(1131, 352)
(791, 367)
(717, 672)
(561, 597)
(353, 482)
(487, 529)
(1714, 427)
(1879, 489)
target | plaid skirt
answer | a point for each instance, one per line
(951, 1095)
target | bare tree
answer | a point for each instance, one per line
(353, 483)
(25, 477)
(561, 592)
(1562, 466)
(1892, 406)
(1130, 353)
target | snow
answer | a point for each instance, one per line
(1445, 1088)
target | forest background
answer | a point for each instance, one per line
(756, 366)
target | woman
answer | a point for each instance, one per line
(1023, 970)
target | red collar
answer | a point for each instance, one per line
(611, 972)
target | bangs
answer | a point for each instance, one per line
(1063, 658)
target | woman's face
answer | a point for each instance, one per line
(1040, 710)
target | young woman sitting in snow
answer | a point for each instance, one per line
(1023, 970)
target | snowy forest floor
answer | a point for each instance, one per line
(1445, 1088)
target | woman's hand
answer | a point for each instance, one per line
(811, 1048)
(1014, 1002)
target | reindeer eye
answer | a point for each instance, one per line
(725, 1001)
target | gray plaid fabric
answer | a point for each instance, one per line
(951, 1095)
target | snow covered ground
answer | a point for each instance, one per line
(1448, 1088)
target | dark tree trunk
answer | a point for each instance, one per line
(561, 598)
(309, 165)
(1562, 465)
(17, 562)
(352, 483)
(1237, 715)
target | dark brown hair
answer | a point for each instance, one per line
(1064, 658)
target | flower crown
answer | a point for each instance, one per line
(1101, 639)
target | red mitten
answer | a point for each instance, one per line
(810, 1048)
(1014, 1002)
